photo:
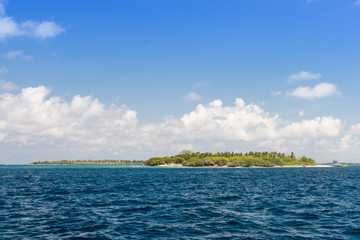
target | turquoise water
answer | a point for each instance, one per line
(117, 202)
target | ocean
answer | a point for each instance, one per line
(94, 202)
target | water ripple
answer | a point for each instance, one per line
(201, 203)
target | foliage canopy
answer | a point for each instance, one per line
(231, 159)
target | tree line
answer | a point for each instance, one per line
(232, 159)
(89, 162)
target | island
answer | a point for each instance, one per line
(187, 158)
(89, 162)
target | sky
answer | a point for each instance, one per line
(133, 79)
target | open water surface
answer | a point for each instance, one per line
(195, 203)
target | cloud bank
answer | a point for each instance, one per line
(44, 127)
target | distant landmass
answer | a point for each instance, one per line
(230, 159)
(187, 158)
(89, 162)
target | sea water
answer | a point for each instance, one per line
(81, 202)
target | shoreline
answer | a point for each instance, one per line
(287, 166)
(177, 166)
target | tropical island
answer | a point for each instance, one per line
(187, 158)
(89, 162)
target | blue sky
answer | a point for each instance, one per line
(298, 60)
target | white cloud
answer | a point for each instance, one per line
(250, 123)
(347, 145)
(41, 30)
(304, 76)
(319, 91)
(3, 69)
(277, 93)
(355, 130)
(301, 113)
(31, 114)
(357, 3)
(36, 125)
(241, 122)
(192, 96)
(314, 128)
(19, 54)
(10, 28)
(8, 86)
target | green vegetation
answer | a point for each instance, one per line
(227, 159)
(89, 162)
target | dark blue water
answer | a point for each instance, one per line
(153, 203)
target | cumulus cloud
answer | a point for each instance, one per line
(3, 69)
(348, 143)
(32, 119)
(250, 123)
(19, 54)
(8, 86)
(314, 128)
(321, 90)
(10, 28)
(240, 122)
(192, 96)
(304, 76)
(354, 130)
(30, 115)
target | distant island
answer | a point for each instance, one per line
(187, 158)
(230, 159)
(89, 162)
